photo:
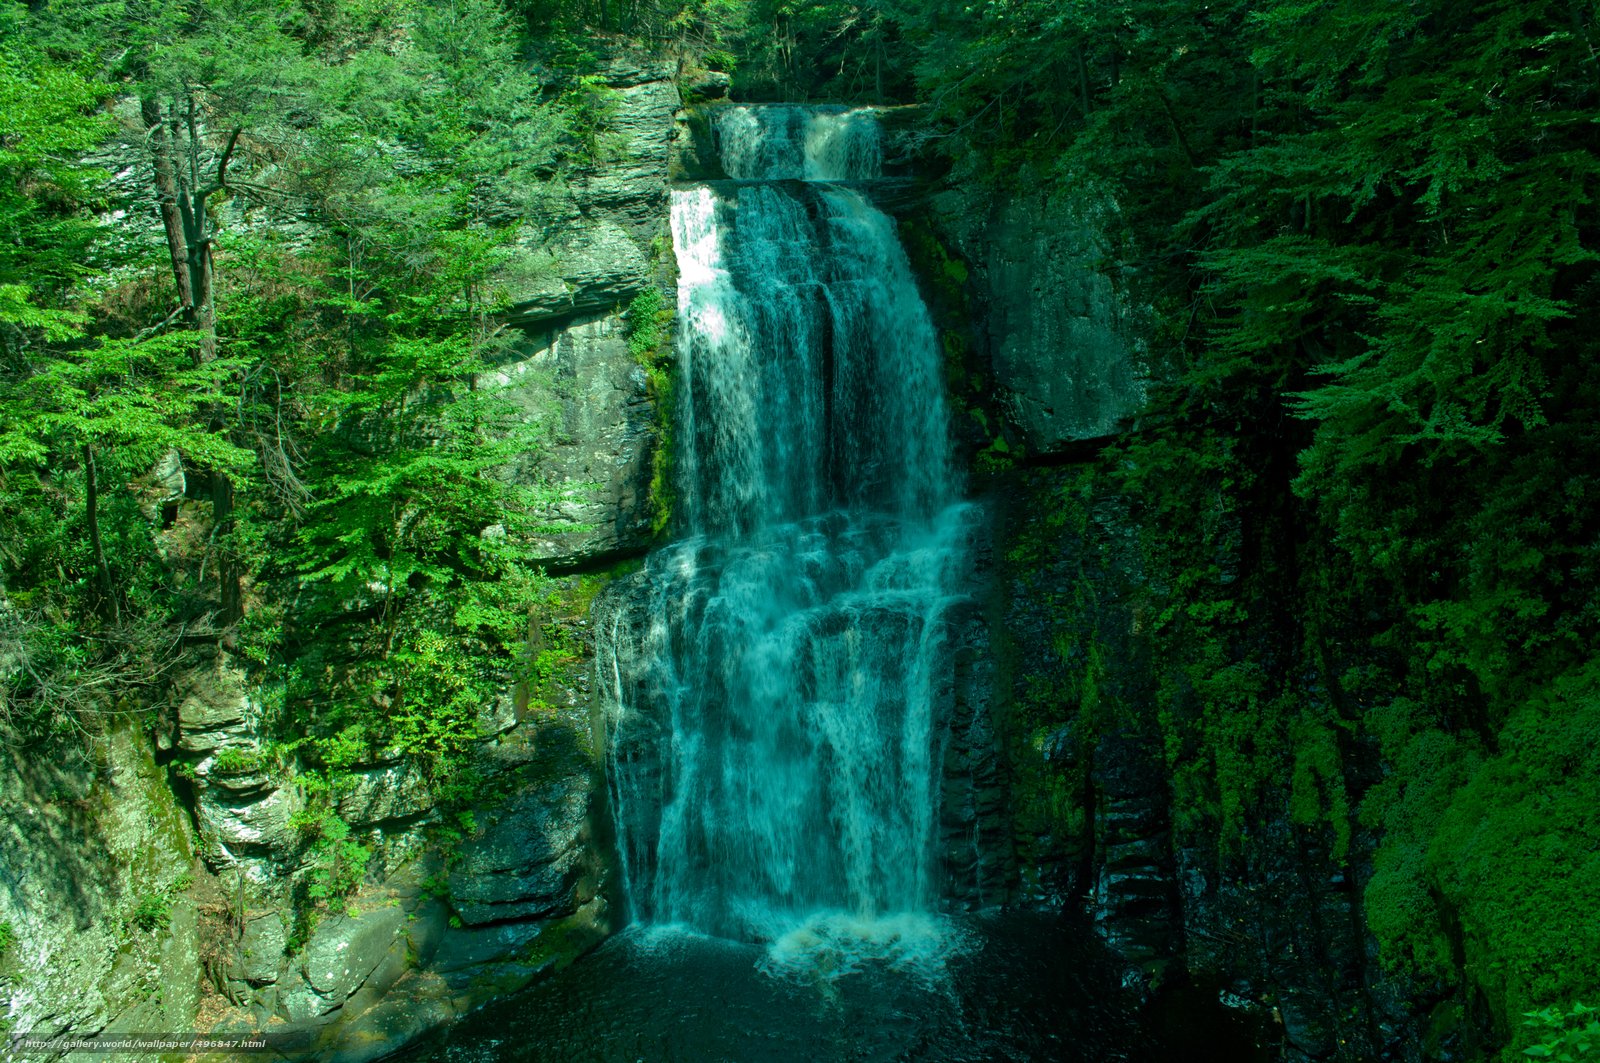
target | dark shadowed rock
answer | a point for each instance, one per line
(527, 862)
(1066, 346)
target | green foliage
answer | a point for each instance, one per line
(1367, 235)
(8, 939)
(233, 760)
(49, 123)
(336, 863)
(649, 321)
(1318, 793)
(648, 327)
(340, 863)
(345, 405)
(1516, 854)
(1563, 1034)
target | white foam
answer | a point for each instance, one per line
(828, 946)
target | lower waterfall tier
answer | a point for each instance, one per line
(776, 730)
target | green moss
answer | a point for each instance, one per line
(933, 261)
(558, 641)
(564, 941)
(1317, 795)
(1059, 689)
(661, 494)
(1488, 874)
(945, 280)
(648, 327)
(996, 457)
(1517, 854)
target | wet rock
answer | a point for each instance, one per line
(497, 717)
(694, 147)
(974, 802)
(242, 805)
(167, 477)
(1306, 1029)
(630, 185)
(469, 948)
(167, 995)
(527, 862)
(597, 267)
(1134, 894)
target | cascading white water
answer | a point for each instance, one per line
(776, 679)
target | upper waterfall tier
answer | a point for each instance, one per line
(773, 142)
(809, 374)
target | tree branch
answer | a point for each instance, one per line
(222, 169)
(159, 325)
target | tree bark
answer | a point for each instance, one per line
(228, 575)
(92, 518)
(163, 156)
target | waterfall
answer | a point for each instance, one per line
(775, 681)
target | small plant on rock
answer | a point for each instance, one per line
(153, 912)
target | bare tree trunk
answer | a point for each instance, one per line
(92, 518)
(163, 156)
(1083, 81)
(228, 575)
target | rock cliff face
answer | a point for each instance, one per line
(1055, 789)
(574, 371)
(1055, 323)
(94, 868)
(1270, 920)
(1060, 789)
(580, 379)
(122, 924)
(438, 932)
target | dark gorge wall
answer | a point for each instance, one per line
(1157, 740)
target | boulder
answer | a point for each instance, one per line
(527, 863)
(259, 959)
(214, 708)
(597, 267)
(242, 831)
(343, 951)
(385, 793)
